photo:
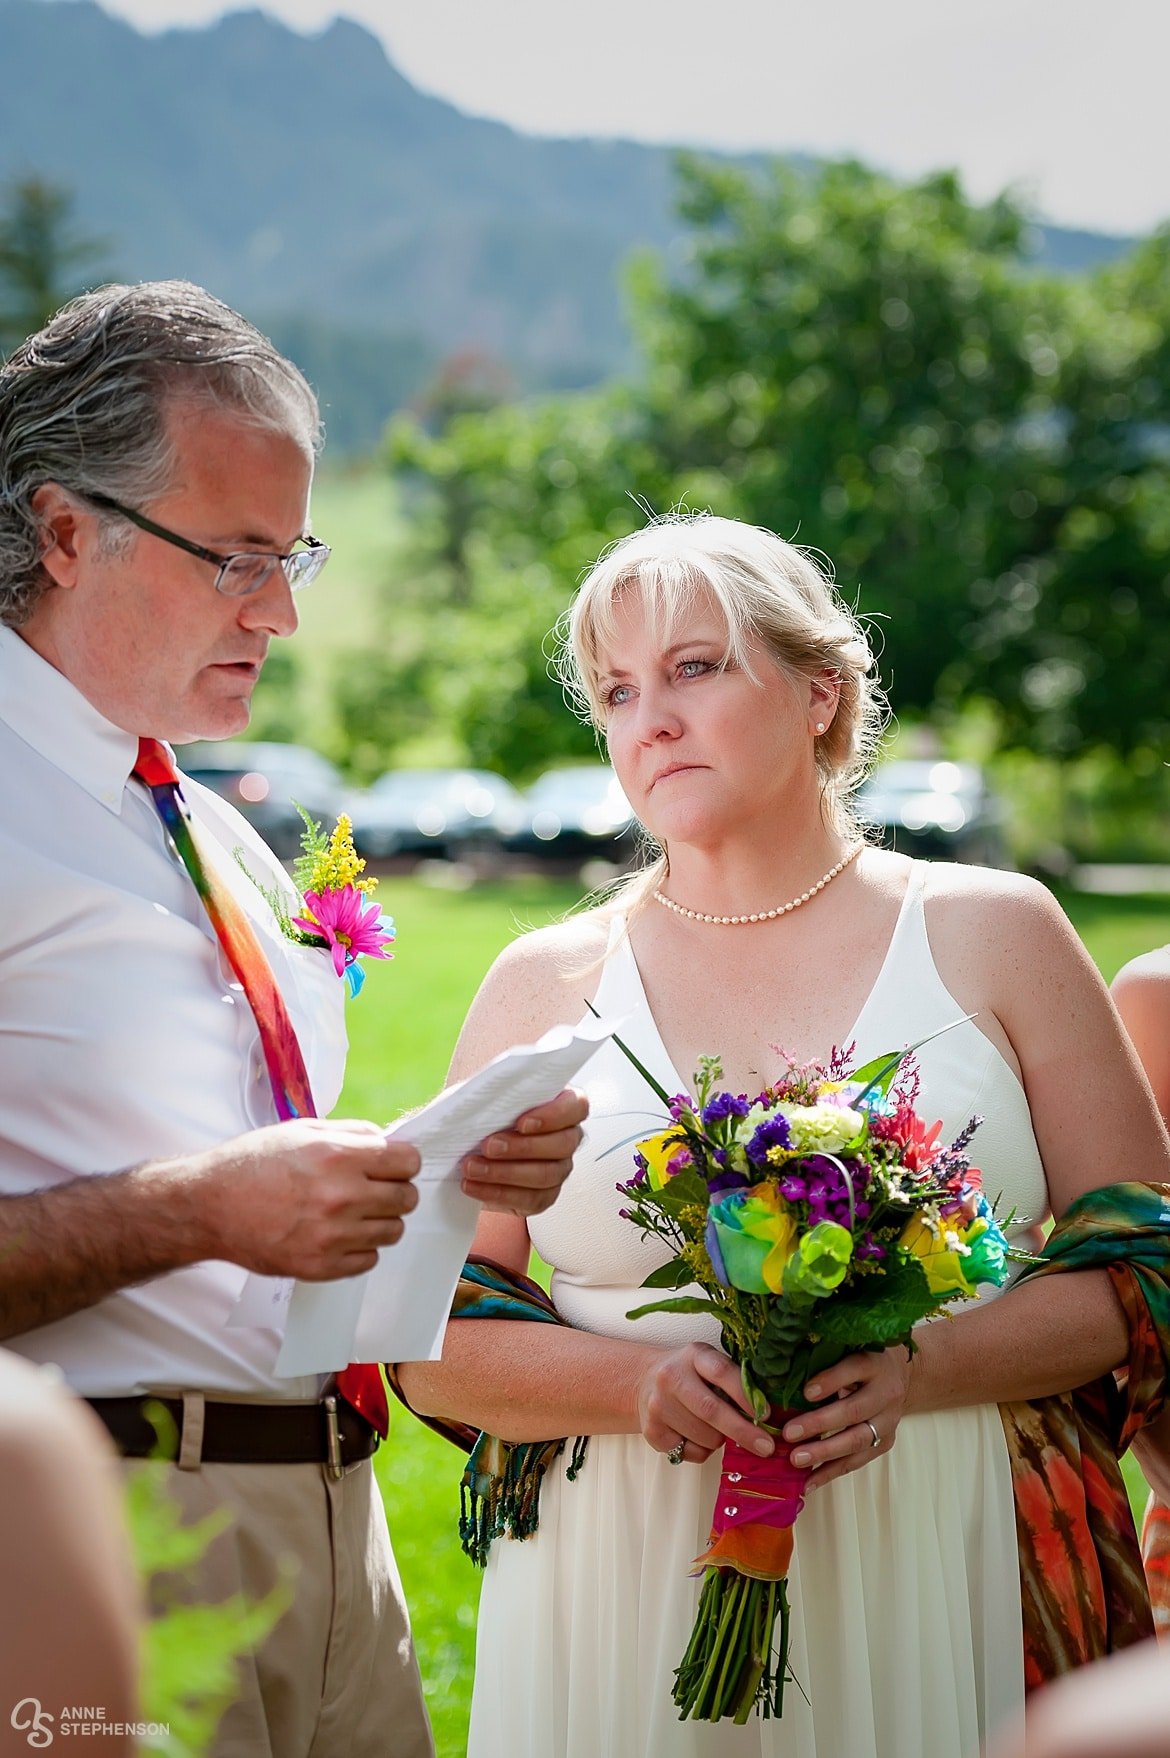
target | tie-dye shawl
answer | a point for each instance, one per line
(1081, 1578)
(500, 1487)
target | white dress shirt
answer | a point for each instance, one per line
(124, 1035)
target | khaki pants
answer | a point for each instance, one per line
(337, 1677)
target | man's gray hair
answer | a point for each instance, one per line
(84, 403)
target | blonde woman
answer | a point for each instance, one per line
(735, 692)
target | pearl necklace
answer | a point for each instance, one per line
(762, 915)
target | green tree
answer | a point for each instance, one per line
(43, 260)
(382, 698)
(541, 488)
(878, 372)
(1069, 636)
(859, 360)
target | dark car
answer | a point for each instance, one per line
(440, 812)
(266, 782)
(935, 810)
(577, 813)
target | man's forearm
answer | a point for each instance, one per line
(64, 1249)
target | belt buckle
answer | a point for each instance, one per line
(333, 1438)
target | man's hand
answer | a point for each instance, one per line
(312, 1198)
(521, 1169)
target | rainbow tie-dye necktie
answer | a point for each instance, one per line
(361, 1384)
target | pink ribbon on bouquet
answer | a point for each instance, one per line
(755, 1510)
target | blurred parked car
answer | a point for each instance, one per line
(934, 810)
(266, 782)
(576, 813)
(441, 812)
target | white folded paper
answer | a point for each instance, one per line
(398, 1310)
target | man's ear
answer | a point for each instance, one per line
(62, 536)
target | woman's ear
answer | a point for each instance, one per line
(824, 692)
(60, 523)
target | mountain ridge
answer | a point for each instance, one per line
(305, 180)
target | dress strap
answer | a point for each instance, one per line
(615, 993)
(910, 950)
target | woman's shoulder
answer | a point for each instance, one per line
(978, 895)
(557, 952)
(962, 896)
(1141, 994)
(1148, 973)
(541, 979)
(1007, 926)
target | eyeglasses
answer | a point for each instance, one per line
(239, 575)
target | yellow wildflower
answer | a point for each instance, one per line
(339, 864)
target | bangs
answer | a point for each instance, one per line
(671, 588)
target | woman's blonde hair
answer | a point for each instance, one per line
(776, 591)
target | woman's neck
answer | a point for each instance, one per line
(744, 875)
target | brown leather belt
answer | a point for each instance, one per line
(326, 1433)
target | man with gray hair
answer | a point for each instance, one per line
(156, 458)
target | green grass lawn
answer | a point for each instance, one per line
(403, 1028)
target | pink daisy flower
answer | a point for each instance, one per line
(348, 924)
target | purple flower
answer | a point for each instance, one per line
(868, 1247)
(773, 1132)
(724, 1181)
(725, 1105)
(793, 1188)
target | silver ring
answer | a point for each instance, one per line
(675, 1455)
(877, 1439)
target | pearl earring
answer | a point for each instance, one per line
(820, 726)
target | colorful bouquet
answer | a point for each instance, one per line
(338, 915)
(818, 1219)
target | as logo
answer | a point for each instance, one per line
(36, 1723)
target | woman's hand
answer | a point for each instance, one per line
(868, 1394)
(694, 1395)
(520, 1170)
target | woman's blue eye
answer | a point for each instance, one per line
(616, 696)
(695, 667)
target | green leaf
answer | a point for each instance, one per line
(756, 1396)
(887, 1315)
(681, 1191)
(675, 1274)
(784, 1335)
(879, 1073)
(684, 1303)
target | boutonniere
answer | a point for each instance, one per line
(336, 912)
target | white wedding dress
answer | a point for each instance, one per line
(905, 1583)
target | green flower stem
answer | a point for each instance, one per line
(707, 1700)
(734, 1644)
(728, 1656)
(729, 1667)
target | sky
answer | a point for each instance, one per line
(1062, 100)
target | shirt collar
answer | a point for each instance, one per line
(49, 713)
